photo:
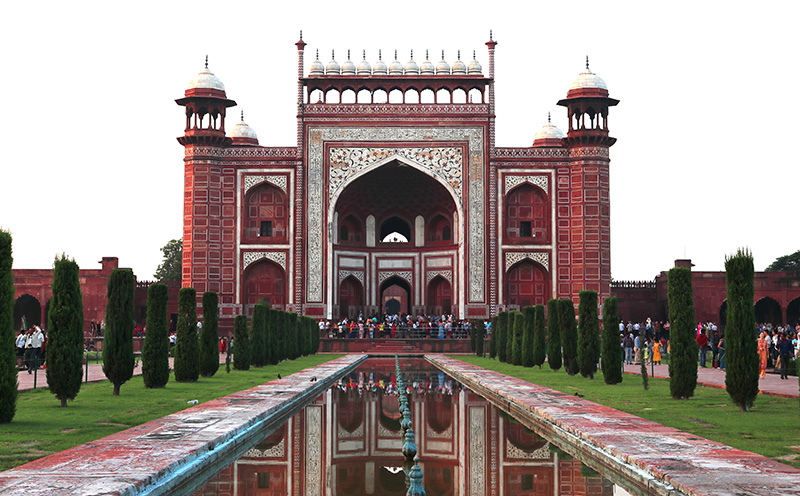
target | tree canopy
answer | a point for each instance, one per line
(786, 263)
(170, 268)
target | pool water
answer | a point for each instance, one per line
(348, 442)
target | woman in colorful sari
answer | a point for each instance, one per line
(762, 354)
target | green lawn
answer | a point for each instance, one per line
(771, 428)
(42, 427)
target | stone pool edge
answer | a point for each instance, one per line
(656, 458)
(153, 457)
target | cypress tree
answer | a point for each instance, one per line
(493, 339)
(473, 338)
(683, 347)
(511, 336)
(502, 336)
(539, 343)
(300, 336)
(314, 329)
(611, 359)
(588, 334)
(569, 336)
(741, 377)
(155, 352)
(643, 370)
(515, 338)
(311, 327)
(291, 336)
(480, 336)
(65, 332)
(118, 359)
(209, 335)
(187, 348)
(8, 359)
(241, 353)
(258, 335)
(527, 336)
(553, 335)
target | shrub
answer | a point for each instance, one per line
(493, 339)
(569, 336)
(209, 335)
(527, 336)
(187, 349)
(118, 359)
(516, 341)
(741, 375)
(588, 334)
(258, 335)
(539, 343)
(241, 341)
(8, 358)
(502, 335)
(553, 335)
(480, 336)
(155, 352)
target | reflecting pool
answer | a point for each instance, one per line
(348, 442)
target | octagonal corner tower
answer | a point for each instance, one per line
(395, 198)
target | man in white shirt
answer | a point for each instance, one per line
(20, 343)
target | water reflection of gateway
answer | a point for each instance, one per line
(348, 442)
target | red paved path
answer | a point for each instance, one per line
(772, 384)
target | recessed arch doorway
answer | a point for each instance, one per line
(395, 296)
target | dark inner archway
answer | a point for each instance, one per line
(768, 311)
(29, 307)
(793, 312)
(395, 296)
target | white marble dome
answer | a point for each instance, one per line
(379, 67)
(459, 67)
(588, 79)
(474, 66)
(206, 80)
(364, 68)
(549, 131)
(317, 69)
(242, 130)
(411, 66)
(395, 68)
(333, 67)
(348, 68)
(443, 67)
(427, 66)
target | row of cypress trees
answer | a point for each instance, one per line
(274, 336)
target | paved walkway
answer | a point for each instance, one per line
(96, 374)
(772, 384)
(654, 458)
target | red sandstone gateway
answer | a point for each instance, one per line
(395, 197)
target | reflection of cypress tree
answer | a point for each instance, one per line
(493, 339)
(539, 343)
(527, 336)
(258, 335)
(65, 331)
(516, 343)
(8, 359)
(741, 377)
(480, 336)
(569, 336)
(588, 334)
(209, 335)
(553, 335)
(612, 353)
(118, 359)
(683, 347)
(502, 335)
(187, 349)
(241, 341)
(155, 352)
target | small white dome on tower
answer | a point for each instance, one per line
(241, 133)
(427, 66)
(364, 69)
(316, 69)
(474, 66)
(548, 135)
(411, 66)
(443, 67)
(333, 66)
(396, 68)
(458, 66)
(348, 68)
(588, 79)
(380, 67)
(206, 80)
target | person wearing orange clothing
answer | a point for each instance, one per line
(657, 353)
(762, 354)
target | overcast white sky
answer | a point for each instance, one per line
(705, 160)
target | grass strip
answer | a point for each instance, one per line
(771, 428)
(41, 427)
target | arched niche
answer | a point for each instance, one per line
(265, 218)
(351, 297)
(768, 310)
(440, 296)
(264, 279)
(527, 216)
(30, 308)
(526, 283)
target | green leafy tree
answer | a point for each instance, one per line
(643, 370)
(241, 350)
(553, 335)
(65, 332)
(741, 377)
(502, 336)
(170, 268)
(526, 358)
(611, 359)
(258, 335)
(209, 335)
(155, 352)
(480, 336)
(786, 263)
(588, 334)
(493, 339)
(539, 343)
(8, 360)
(118, 359)
(187, 349)
(683, 347)
(511, 329)
(569, 336)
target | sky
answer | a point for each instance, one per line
(91, 167)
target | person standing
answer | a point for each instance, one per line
(627, 343)
(762, 354)
(786, 350)
(20, 344)
(702, 342)
(721, 347)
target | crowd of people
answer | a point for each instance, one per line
(397, 326)
(30, 345)
(420, 383)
